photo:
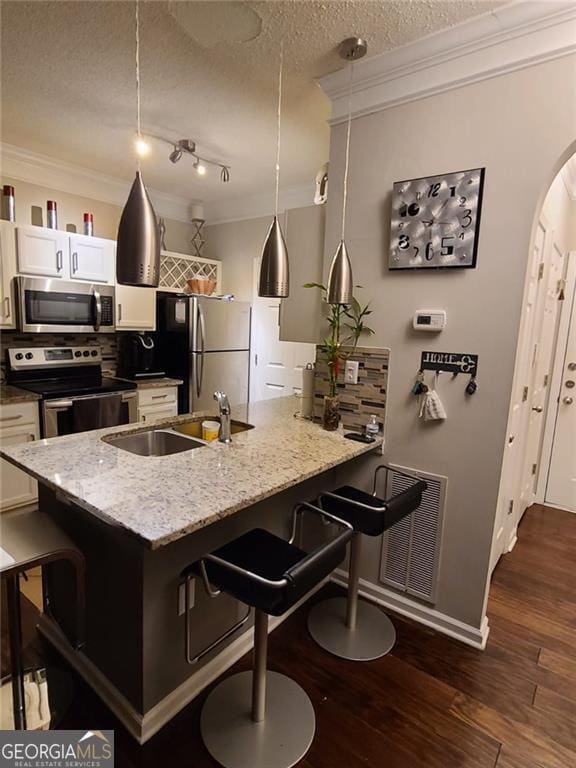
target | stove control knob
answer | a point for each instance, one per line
(94, 353)
(86, 353)
(78, 353)
(18, 355)
(29, 355)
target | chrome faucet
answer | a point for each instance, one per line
(224, 407)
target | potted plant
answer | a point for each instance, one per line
(346, 326)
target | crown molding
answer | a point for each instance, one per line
(517, 35)
(569, 177)
(23, 165)
(261, 204)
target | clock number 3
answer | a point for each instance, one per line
(466, 220)
(403, 242)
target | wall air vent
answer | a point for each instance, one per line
(411, 549)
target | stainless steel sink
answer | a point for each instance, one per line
(193, 428)
(155, 442)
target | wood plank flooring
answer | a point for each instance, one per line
(433, 702)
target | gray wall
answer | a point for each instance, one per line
(520, 127)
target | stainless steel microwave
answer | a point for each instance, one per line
(53, 306)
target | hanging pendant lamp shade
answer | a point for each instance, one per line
(274, 280)
(340, 288)
(274, 269)
(340, 282)
(138, 241)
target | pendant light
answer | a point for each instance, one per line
(274, 268)
(340, 283)
(138, 241)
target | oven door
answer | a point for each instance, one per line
(59, 417)
(51, 306)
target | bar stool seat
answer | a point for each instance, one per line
(271, 575)
(347, 627)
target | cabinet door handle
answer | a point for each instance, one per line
(159, 397)
(75, 262)
(7, 311)
(59, 260)
(119, 313)
(11, 418)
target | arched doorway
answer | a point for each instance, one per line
(536, 423)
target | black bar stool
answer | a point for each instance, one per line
(31, 538)
(254, 719)
(349, 628)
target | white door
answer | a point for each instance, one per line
(92, 258)
(135, 308)
(542, 358)
(7, 272)
(276, 365)
(510, 503)
(43, 252)
(561, 486)
(17, 487)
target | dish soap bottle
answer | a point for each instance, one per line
(372, 427)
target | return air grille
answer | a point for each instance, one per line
(411, 549)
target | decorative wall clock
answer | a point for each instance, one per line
(436, 220)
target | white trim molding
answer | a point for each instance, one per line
(569, 177)
(423, 614)
(23, 165)
(516, 35)
(261, 204)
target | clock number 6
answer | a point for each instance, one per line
(429, 251)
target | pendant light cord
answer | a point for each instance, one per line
(347, 161)
(139, 135)
(279, 126)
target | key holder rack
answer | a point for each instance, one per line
(450, 362)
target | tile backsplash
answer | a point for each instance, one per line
(107, 341)
(357, 401)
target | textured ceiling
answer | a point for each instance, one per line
(208, 72)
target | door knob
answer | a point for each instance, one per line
(568, 400)
(538, 409)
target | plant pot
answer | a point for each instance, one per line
(331, 413)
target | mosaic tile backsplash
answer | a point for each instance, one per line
(357, 401)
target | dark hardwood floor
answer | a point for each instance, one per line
(432, 702)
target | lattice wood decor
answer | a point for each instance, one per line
(176, 269)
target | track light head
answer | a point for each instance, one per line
(175, 155)
(225, 174)
(199, 167)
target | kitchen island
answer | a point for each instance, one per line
(141, 520)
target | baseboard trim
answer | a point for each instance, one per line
(465, 633)
(143, 726)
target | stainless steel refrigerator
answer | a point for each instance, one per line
(206, 342)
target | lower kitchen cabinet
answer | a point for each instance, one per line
(18, 424)
(135, 308)
(157, 403)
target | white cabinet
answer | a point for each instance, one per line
(7, 272)
(46, 252)
(157, 403)
(92, 258)
(43, 252)
(135, 308)
(18, 424)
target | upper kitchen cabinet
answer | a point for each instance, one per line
(44, 252)
(300, 313)
(7, 272)
(92, 258)
(135, 308)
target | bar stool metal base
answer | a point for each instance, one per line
(279, 741)
(373, 637)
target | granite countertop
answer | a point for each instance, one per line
(10, 395)
(165, 381)
(162, 498)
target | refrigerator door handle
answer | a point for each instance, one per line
(200, 365)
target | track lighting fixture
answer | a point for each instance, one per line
(188, 147)
(198, 167)
(224, 174)
(175, 155)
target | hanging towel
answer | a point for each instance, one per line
(431, 408)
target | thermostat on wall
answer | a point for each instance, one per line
(429, 320)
